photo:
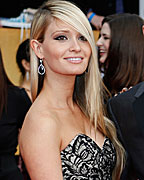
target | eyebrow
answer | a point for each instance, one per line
(61, 31)
(104, 34)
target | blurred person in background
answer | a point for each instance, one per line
(14, 104)
(23, 62)
(96, 10)
(121, 58)
(121, 51)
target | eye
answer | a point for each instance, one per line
(105, 37)
(61, 37)
(82, 38)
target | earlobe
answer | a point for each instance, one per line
(26, 65)
(36, 46)
(143, 29)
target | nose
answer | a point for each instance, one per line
(99, 42)
(75, 45)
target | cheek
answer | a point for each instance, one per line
(107, 45)
(51, 53)
(88, 51)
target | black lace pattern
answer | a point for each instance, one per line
(83, 159)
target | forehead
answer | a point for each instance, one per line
(105, 29)
(59, 25)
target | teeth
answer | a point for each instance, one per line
(102, 51)
(74, 59)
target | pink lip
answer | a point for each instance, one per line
(102, 53)
(75, 62)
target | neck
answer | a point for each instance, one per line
(26, 84)
(59, 91)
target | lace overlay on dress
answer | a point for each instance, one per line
(83, 159)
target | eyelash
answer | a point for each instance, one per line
(83, 38)
(106, 38)
(62, 37)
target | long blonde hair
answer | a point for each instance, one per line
(88, 92)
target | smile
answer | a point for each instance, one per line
(74, 59)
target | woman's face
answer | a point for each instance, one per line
(65, 51)
(103, 42)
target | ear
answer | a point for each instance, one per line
(36, 46)
(143, 29)
(26, 65)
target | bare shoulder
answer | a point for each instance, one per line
(40, 117)
(40, 141)
(40, 123)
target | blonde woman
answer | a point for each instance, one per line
(65, 134)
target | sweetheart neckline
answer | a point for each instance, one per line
(81, 134)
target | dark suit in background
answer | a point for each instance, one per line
(100, 7)
(13, 8)
(127, 111)
(107, 7)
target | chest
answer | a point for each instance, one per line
(83, 158)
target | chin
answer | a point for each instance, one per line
(78, 73)
(102, 60)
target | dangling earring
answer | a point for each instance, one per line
(27, 75)
(41, 68)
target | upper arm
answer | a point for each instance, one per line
(40, 148)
